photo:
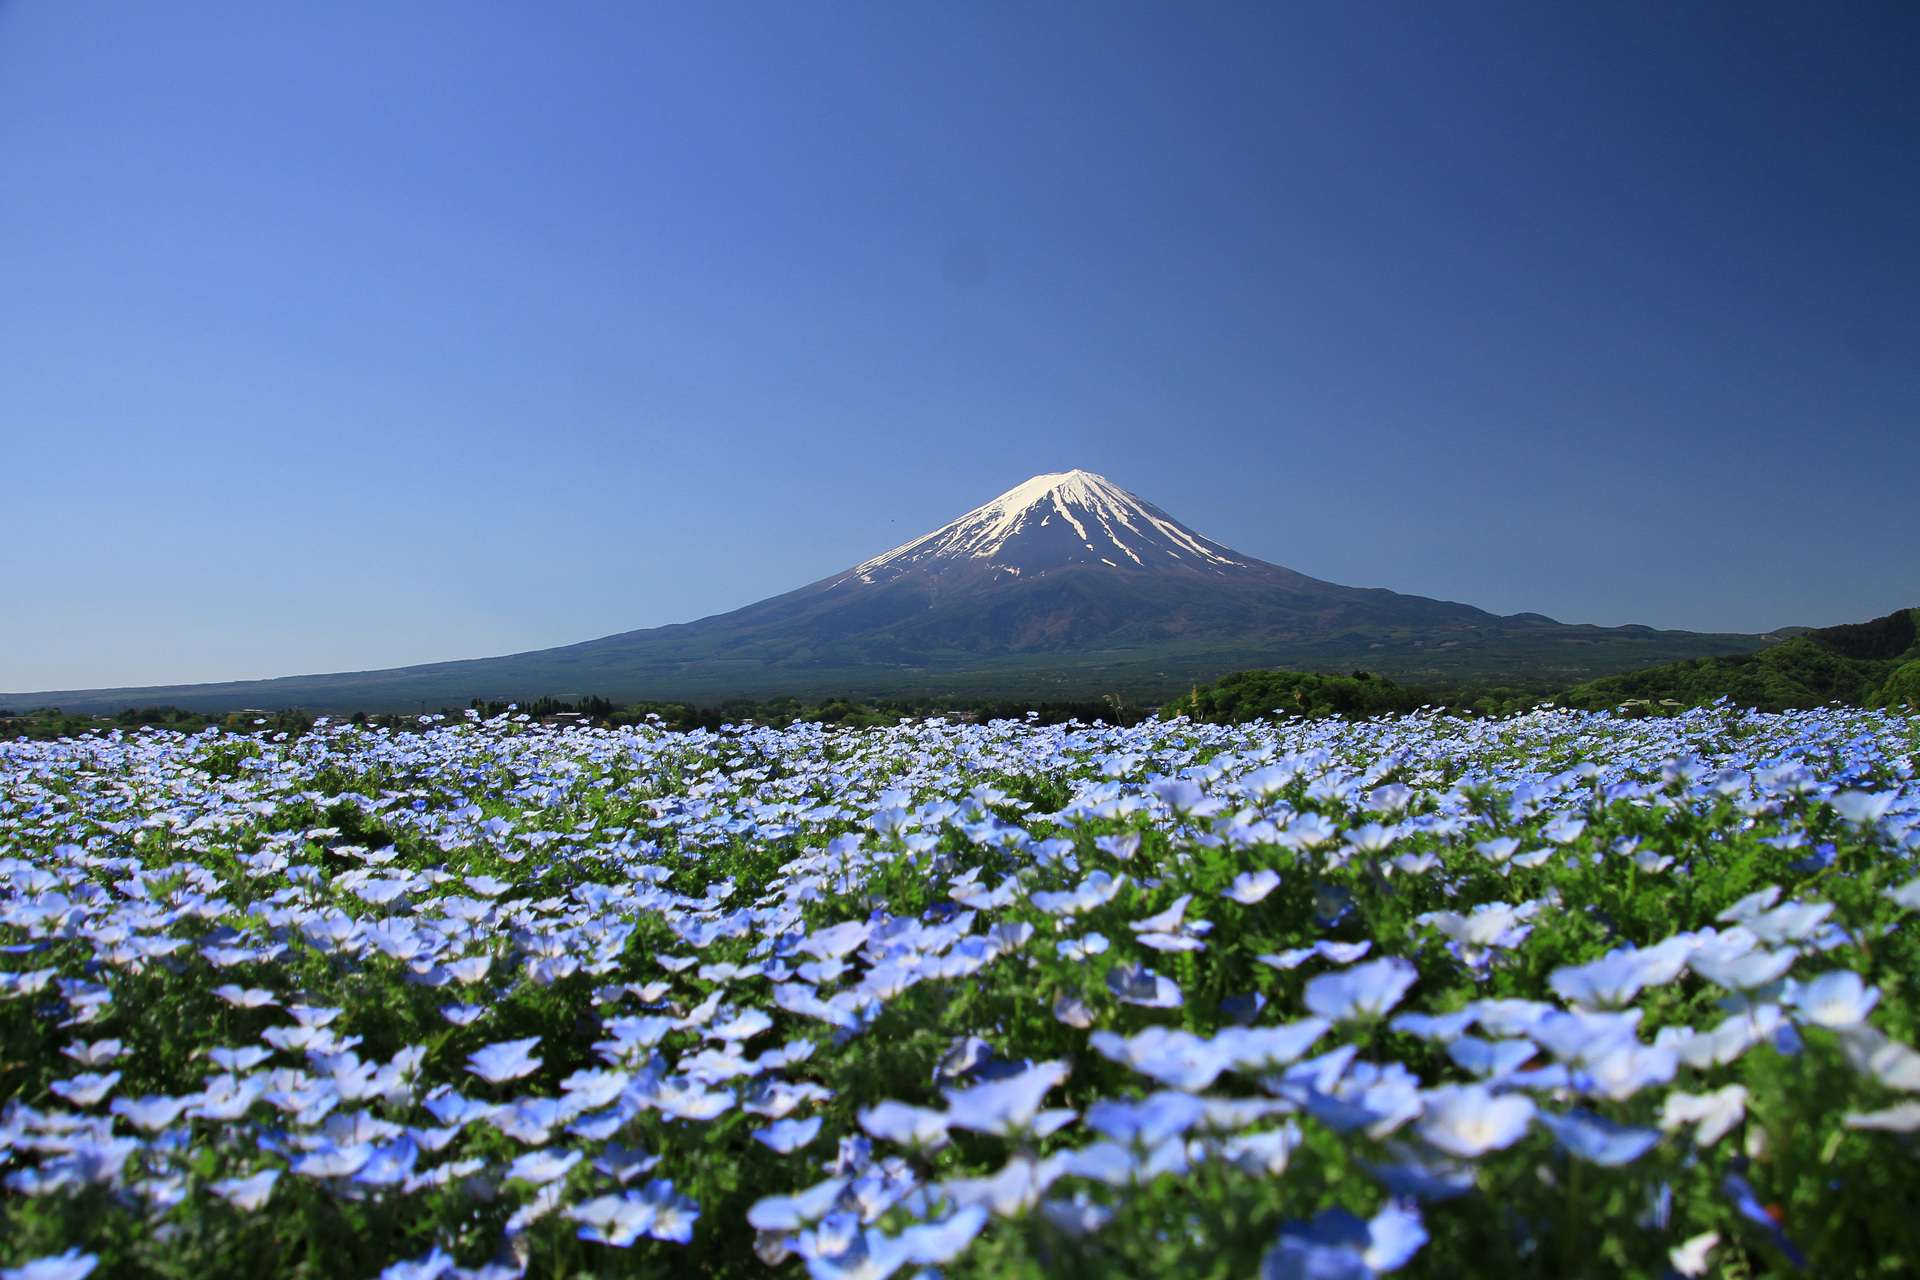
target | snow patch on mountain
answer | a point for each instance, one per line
(1064, 517)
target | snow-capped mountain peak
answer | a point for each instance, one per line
(1048, 523)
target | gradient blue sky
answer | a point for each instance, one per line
(343, 336)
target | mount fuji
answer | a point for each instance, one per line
(1066, 585)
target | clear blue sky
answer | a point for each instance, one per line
(337, 336)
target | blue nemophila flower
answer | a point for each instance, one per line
(624, 1164)
(85, 1089)
(249, 1193)
(1365, 991)
(1596, 1139)
(244, 997)
(1337, 952)
(542, 1167)
(1147, 1123)
(906, 1125)
(786, 1136)
(1134, 984)
(434, 1264)
(71, 1265)
(1008, 1106)
(1491, 1059)
(1338, 1245)
(152, 1113)
(510, 1060)
(1863, 808)
(938, 1243)
(1078, 949)
(1250, 887)
(1836, 1000)
(1421, 1173)
(1469, 1120)
(1184, 798)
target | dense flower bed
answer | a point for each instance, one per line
(1555, 995)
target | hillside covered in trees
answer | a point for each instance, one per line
(1865, 664)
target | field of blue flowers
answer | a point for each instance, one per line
(1553, 995)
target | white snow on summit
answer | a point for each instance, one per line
(1064, 517)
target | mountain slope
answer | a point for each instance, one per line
(1066, 583)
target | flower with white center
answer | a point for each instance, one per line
(1069, 1008)
(468, 969)
(1469, 1120)
(1078, 949)
(246, 1194)
(1836, 1000)
(673, 1215)
(618, 1220)
(510, 1060)
(542, 1167)
(1714, 1113)
(1629, 1068)
(1365, 991)
(1250, 887)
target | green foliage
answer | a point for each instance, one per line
(1848, 664)
(1901, 692)
(1263, 695)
